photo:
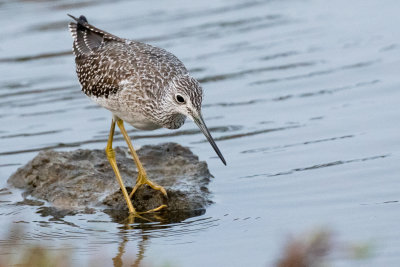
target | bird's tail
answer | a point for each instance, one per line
(87, 38)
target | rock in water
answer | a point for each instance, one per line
(81, 178)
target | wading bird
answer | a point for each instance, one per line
(140, 84)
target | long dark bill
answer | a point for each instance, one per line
(200, 122)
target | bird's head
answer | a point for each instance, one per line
(184, 97)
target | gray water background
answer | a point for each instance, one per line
(302, 98)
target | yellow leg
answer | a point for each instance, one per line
(110, 152)
(142, 176)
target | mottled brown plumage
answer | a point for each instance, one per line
(143, 85)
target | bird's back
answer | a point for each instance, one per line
(106, 63)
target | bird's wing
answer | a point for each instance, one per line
(104, 61)
(87, 38)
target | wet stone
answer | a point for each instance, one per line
(76, 180)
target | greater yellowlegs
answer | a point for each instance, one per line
(140, 84)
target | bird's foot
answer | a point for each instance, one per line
(142, 180)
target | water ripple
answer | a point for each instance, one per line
(31, 134)
(318, 166)
(234, 136)
(317, 73)
(36, 57)
(266, 149)
(221, 77)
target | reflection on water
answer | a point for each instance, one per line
(140, 229)
(301, 96)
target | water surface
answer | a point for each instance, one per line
(301, 96)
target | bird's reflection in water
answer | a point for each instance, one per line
(144, 226)
(141, 228)
(117, 260)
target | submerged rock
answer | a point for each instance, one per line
(75, 180)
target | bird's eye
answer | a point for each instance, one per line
(180, 99)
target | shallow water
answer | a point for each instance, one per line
(301, 96)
